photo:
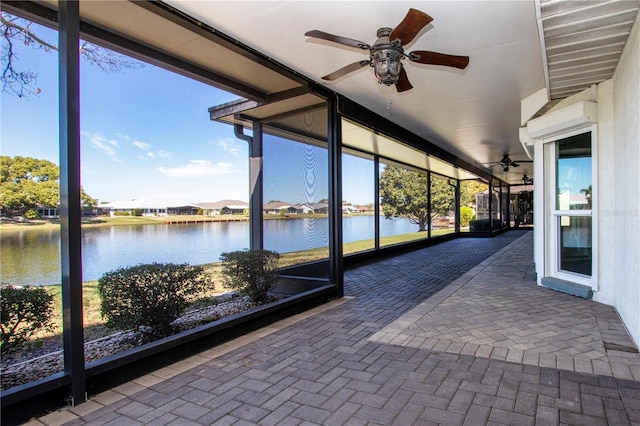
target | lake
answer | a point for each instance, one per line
(32, 256)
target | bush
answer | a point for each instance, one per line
(254, 272)
(466, 215)
(149, 296)
(31, 214)
(481, 225)
(23, 312)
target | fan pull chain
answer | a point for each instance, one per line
(389, 98)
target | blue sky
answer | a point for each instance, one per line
(146, 133)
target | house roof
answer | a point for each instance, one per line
(217, 205)
(148, 203)
(275, 205)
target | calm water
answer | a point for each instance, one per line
(32, 257)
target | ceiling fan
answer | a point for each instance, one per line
(387, 53)
(505, 163)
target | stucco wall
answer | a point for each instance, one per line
(604, 209)
(626, 175)
(616, 185)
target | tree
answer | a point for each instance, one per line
(27, 183)
(403, 193)
(443, 197)
(23, 83)
(469, 189)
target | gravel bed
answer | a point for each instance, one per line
(16, 370)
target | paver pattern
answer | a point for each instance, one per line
(497, 311)
(363, 359)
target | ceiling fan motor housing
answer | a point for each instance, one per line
(386, 58)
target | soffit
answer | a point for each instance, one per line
(583, 41)
(183, 40)
(242, 112)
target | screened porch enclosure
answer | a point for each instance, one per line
(324, 137)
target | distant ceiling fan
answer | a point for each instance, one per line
(386, 54)
(506, 163)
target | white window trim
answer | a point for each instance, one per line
(551, 229)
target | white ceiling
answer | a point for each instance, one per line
(473, 113)
(516, 48)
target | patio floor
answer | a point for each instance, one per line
(457, 333)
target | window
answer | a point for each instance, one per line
(573, 207)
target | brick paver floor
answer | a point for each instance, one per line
(453, 334)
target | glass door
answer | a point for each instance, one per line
(573, 207)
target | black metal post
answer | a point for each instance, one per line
(457, 206)
(255, 177)
(336, 261)
(256, 237)
(508, 205)
(70, 207)
(428, 204)
(376, 203)
(490, 206)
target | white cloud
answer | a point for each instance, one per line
(164, 154)
(197, 168)
(107, 146)
(142, 145)
(229, 145)
(124, 136)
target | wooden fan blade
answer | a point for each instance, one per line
(403, 83)
(338, 39)
(346, 70)
(410, 26)
(435, 58)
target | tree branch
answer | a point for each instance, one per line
(23, 83)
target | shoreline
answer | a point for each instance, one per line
(42, 224)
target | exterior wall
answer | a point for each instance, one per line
(625, 267)
(616, 187)
(604, 215)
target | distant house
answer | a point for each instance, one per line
(279, 207)
(304, 209)
(369, 208)
(160, 206)
(321, 208)
(350, 209)
(224, 207)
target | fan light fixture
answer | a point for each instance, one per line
(387, 53)
(386, 58)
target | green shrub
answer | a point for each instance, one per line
(466, 214)
(31, 214)
(254, 272)
(23, 312)
(149, 296)
(136, 212)
(481, 225)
